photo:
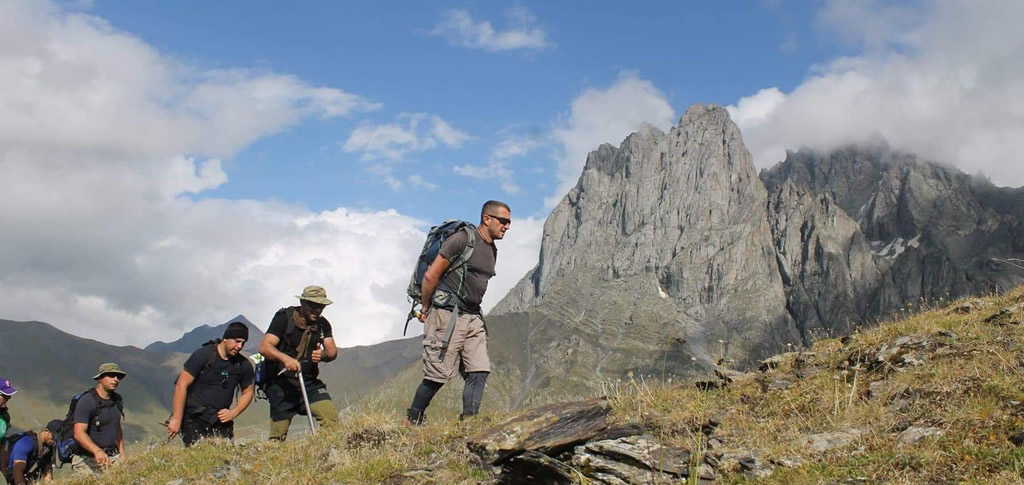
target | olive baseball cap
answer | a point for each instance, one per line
(315, 294)
(109, 368)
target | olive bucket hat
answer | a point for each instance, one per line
(109, 368)
(315, 294)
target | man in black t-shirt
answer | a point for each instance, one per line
(299, 338)
(97, 427)
(454, 336)
(206, 388)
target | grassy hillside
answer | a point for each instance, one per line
(954, 371)
(49, 366)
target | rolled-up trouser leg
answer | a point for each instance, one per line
(473, 393)
(325, 413)
(424, 393)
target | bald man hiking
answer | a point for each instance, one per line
(454, 334)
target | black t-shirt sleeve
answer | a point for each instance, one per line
(84, 409)
(197, 361)
(279, 324)
(454, 245)
(325, 328)
(247, 376)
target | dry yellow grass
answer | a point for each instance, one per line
(964, 387)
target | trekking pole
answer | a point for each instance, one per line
(305, 400)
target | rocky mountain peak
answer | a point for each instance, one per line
(672, 254)
(677, 221)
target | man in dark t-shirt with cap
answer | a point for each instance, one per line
(206, 388)
(98, 423)
(299, 339)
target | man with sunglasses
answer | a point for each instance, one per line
(206, 388)
(454, 334)
(97, 423)
(298, 340)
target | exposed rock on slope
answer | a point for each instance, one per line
(862, 232)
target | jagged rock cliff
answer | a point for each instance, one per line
(864, 231)
(671, 254)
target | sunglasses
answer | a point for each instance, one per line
(224, 375)
(503, 220)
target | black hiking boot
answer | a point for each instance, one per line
(414, 417)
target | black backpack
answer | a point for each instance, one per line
(435, 239)
(265, 368)
(67, 447)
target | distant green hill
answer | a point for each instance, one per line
(49, 366)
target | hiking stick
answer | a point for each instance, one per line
(305, 399)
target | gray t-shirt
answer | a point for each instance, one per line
(479, 270)
(104, 426)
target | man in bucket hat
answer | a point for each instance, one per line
(97, 421)
(7, 391)
(298, 340)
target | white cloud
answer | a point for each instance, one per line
(944, 81)
(412, 132)
(523, 31)
(510, 188)
(419, 182)
(494, 169)
(518, 253)
(605, 116)
(511, 146)
(108, 140)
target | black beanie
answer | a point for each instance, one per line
(236, 330)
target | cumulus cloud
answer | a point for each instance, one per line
(412, 132)
(517, 254)
(419, 182)
(943, 80)
(108, 147)
(511, 146)
(599, 116)
(523, 31)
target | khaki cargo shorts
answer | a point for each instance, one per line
(467, 349)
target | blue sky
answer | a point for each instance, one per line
(384, 51)
(178, 163)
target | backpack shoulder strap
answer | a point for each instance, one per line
(289, 325)
(467, 252)
(115, 400)
(212, 358)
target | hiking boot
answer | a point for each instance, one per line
(414, 417)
